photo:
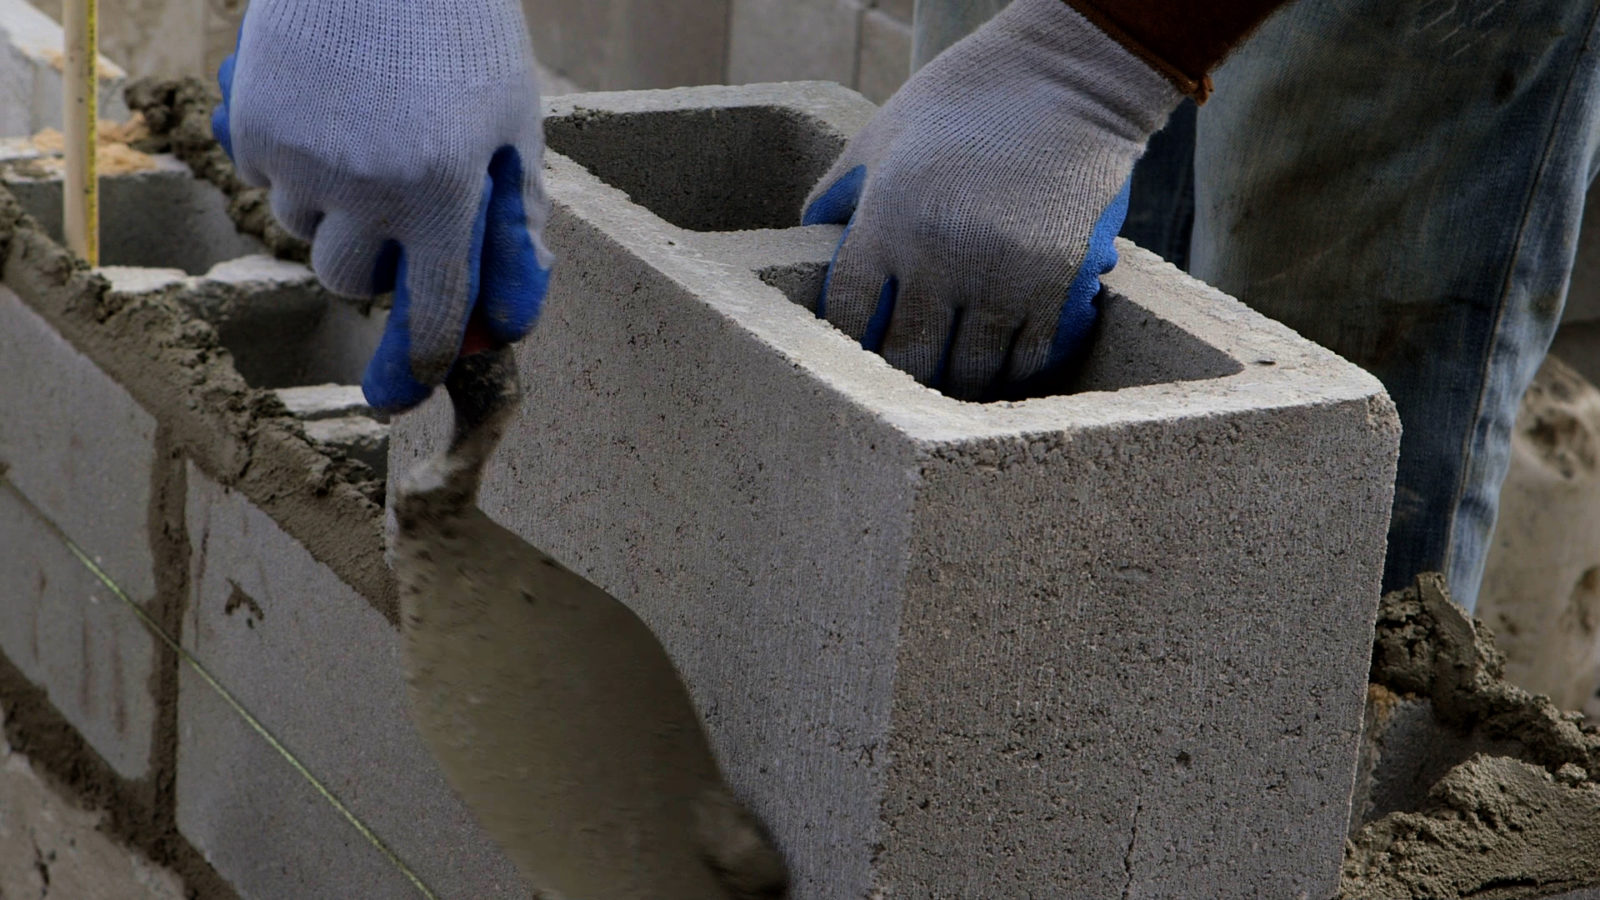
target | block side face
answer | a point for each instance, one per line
(321, 670)
(77, 444)
(1145, 677)
(165, 218)
(67, 632)
(752, 518)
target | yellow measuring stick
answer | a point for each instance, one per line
(80, 124)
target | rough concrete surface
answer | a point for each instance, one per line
(1116, 639)
(1541, 585)
(78, 458)
(51, 849)
(30, 73)
(172, 363)
(321, 669)
(1517, 818)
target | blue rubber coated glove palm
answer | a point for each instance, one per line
(983, 199)
(404, 139)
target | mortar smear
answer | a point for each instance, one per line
(1495, 827)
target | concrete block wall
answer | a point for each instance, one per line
(166, 423)
(1116, 639)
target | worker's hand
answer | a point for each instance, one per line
(404, 140)
(983, 198)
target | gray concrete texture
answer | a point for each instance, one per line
(80, 457)
(158, 219)
(30, 73)
(632, 44)
(1116, 639)
(321, 670)
(52, 849)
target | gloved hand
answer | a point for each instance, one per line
(404, 139)
(982, 201)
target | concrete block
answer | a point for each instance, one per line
(618, 44)
(358, 437)
(161, 218)
(49, 847)
(793, 40)
(324, 401)
(282, 329)
(1583, 295)
(320, 668)
(77, 444)
(68, 633)
(885, 55)
(1116, 639)
(30, 73)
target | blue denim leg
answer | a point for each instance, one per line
(1402, 181)
(1161, 208)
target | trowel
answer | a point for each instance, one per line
(553, 710)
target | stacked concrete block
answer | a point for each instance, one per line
(320, 668)
(134, 394)
(80, 460)
(30, 73)
(164, 217)
(1112, 643)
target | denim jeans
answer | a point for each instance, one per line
(1400, 181)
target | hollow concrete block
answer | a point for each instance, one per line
(320, 669)
(160, 218)
(30, 73)
(1109, 643)
(81, 455)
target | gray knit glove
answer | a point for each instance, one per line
(982, 201)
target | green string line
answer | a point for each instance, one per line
(254, 723)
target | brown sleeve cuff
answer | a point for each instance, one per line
(1182, 39)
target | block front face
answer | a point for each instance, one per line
(77, 445)
(321, 670)
(68, 633)
(1136, 662)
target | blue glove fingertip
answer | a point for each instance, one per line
(513, 284)
(219, 117)
(838, 203)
